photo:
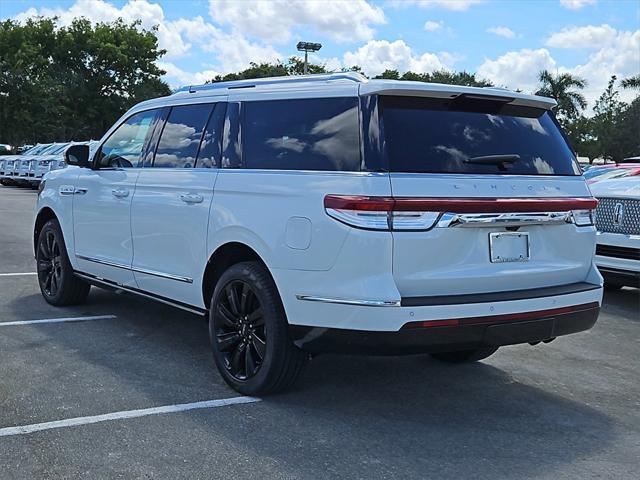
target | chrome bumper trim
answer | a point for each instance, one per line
(345, 301)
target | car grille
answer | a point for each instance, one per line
(606, 216)
(618, 252)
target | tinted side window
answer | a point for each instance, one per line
(210, 148)
(123, 147)
(180, 138)
(301, 134)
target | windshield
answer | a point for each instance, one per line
(471, 135)
(36, 149)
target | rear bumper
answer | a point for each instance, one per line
(469, 333)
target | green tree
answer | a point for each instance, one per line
(631, 82)
(293, 66)
(562, 88)
(439, 76)
(607, 110)
(73, 82)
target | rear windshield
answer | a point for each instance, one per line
(471, 135)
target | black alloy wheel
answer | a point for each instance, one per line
(58, 283)
(249, 332)
(240, 330)
(49, 264)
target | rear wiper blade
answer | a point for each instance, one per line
(494, 159)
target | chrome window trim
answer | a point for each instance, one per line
(345, 301)
(146, 271)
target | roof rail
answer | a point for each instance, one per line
(258, 82)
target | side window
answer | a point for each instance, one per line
(180, 138)
(301, 134)
(210, 148)
(123, 148)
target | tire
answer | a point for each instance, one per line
(249, 333)
(465, 356)
(58, 284)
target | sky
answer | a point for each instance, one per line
(505, 41)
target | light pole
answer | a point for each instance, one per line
(307, 47)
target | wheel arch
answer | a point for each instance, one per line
(222, 258)
(44, 215)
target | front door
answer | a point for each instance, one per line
(102, 202)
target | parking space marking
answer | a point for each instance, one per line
(73, 422)
(17, 274)
(57, 320)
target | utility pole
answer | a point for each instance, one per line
(307, 47)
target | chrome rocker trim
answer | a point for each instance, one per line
(345, 301)
(136, 269)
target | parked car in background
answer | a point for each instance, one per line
(631, 160)
(5, 149)
(618, 224)
(331, 213)
(597, 174)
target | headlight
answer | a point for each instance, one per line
(583, 218)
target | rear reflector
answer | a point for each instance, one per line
(459, 205)
(403, 213)
(510, 317)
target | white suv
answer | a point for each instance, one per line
(331, 213)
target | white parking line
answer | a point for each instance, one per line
(73, 422)
(17, 274)
(57, 320)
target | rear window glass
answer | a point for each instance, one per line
(181, 136)
(303, 134)
(468, 135)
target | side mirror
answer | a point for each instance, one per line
(77, 155)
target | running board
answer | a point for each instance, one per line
(100, 282)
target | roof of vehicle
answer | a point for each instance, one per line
(628, 187)
(353, 82)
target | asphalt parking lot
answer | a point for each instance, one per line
(569, 409)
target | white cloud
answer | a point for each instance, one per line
(590, 36)
(274, 21)
(377, 56)
(176, 77)
(505, 32)
(620, 57)
(517, 70)
(456, 5)
(233, 50)
(617, 56)
(576, 4)
(431, 26)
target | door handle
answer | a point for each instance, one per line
(191, 198)
(120, 192)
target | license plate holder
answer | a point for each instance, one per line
(509, 247)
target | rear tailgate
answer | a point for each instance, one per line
(475, 161)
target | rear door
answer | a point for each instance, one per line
(170, 211)
(501, 179)
(102, 201)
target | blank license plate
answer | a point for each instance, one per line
(509, 247)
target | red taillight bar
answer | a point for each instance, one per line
(459, 205)
(510, 317)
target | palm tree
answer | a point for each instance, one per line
(631, 82)
(561, 88)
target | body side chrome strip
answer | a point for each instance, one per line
(136, 269)
(345, 301)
